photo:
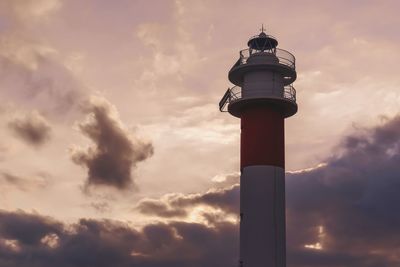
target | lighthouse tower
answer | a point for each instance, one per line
(262, 98)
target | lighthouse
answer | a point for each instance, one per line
(263, 97)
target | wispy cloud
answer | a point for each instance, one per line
(31, 127)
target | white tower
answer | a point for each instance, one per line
(262, 98)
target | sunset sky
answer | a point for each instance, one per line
(113, 151)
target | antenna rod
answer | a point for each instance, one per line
(262, 28)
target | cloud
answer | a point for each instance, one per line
(341, 213)
(101, 206)
(351, 197)
(26, 11)
(45, 242)
(32, 72)
(32, 75)
(160, 208)
(37, 181)
(32, 128)
(115, 151)
(26, 229)
(180, 205)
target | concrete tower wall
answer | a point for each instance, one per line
(262, 82)
(262, 224)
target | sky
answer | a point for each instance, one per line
(113, 151)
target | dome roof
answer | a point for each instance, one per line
(262, 41)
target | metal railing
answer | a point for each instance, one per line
(289, 93)
(284, 57)
(235, 93)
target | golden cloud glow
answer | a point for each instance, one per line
(11, 244)
(318, 245)
(50, 240)
(308, 169)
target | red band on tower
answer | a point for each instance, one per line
(262, 137)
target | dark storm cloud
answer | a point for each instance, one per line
(160, 208)
(302, 257)
(354, 197)
(27, 229)
(108, 243)
(114, 153)
(348, 206)
(178, 205)
(31, 128)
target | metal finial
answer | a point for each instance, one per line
(262, 28)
